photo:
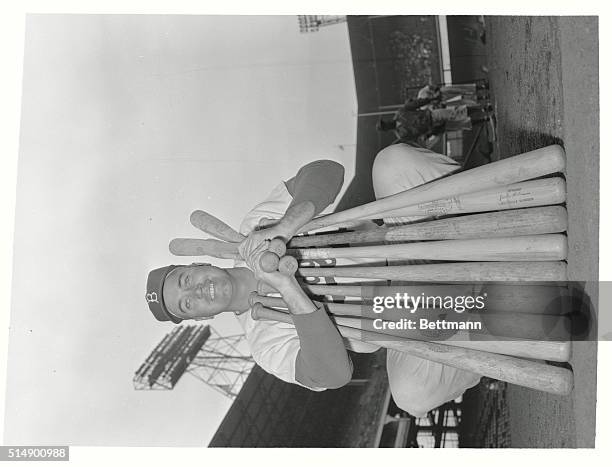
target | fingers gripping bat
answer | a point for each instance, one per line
(270, 260)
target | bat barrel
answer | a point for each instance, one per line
(214, 226)
(353, 315)
(508, 231)
(535, 375)
(201, 247)
(542, 192)
(534, 271)
(528, 221)
(269, 261)
(549, 247)
(514, 370)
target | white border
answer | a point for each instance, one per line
(11, 49)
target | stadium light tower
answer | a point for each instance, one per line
(312, 23)
(217, 361)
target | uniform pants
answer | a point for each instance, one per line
(417, 385)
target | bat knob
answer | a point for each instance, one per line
(278, 247)
(256, 310)
(253, 297)
(269, 261)
(288, 265)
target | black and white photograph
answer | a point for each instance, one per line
(306, 231)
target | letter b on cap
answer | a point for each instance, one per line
(151, 297)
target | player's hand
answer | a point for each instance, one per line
(278, 281)
(252, 254)
(256, 242)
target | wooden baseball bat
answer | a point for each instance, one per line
(365, 292)
(210, 224)
(278, 247)
(555, 351)
(514, 370)
(215, 227)
(270, 260)
(547, 247)
(544, 299)
(529, 271)
(356, 310)
(527, 326)
(541, 192)
(500, 298)
(540, 162)
(204, 247)
(312, 289)
(216, 248)
(527, 336)
(288, 265)
(331, 290)
(295, 217)
(529, 221)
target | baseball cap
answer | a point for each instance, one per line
(155, 297)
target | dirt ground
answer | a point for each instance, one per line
(543, 73)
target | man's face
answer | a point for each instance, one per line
(197, 291)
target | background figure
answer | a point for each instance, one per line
(456, 94)
(460, 117)
(437, 110)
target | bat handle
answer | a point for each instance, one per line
(284, 264)
(274, 259)
(265, 289)
(278, 247)
(268, 261)
(257, 311)
(253, 297)
(288, 265)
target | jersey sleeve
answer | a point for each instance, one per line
(274, 345)
(273, 207)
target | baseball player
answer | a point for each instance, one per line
(311, 352)
(436, 110)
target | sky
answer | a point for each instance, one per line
(129, 123)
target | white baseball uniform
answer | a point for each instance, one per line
(417, 385)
